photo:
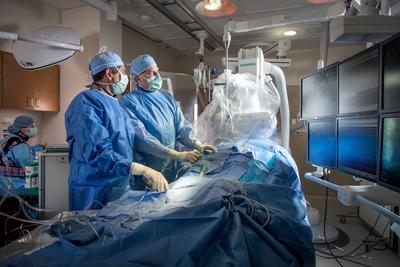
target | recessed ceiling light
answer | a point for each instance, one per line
(290, 33)
(145, 17)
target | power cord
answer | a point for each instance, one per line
(364, 241)
(345, 259)
(349, 254)
(327, 243)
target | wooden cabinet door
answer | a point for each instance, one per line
(33, 90)
(46, 90)
(17, 84)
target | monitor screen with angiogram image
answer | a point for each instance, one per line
(322, 143)
(358, 146)
(359, 83)
(390, 152)
(391, 74)
(319, 94)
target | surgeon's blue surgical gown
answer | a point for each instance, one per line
(163, 119)
(102, 144)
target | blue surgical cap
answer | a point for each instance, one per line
(20, 122)
(142, 63)
(103, 61)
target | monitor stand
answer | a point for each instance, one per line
(331, 233)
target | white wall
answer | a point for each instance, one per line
(20, 16)
(111, 34)
(74, 74)
(134, 45)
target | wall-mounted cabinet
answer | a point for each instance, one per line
(33, 90)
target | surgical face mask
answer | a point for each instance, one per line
(154, 82)
(119, 87)
(32, 132)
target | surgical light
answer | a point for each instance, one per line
(213, 5)
(44, 46)
(216, 8)
(290, 33)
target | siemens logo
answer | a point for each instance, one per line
(247, 65)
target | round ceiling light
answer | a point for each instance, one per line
(145, 17)
(290, 33)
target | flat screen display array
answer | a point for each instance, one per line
(363, 137)
(322, 143)
(359, 83)
(319, 94)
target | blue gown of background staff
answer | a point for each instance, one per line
(21, 153)
(101, 149)
(162, 118)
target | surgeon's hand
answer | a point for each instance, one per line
(154, 179)
(205, 148)
(187, 156)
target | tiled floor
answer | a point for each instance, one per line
(357, 231)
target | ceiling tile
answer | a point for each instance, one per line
(167, 32)
(257, 6)
(135, 16)
(183, 43)
(62, 4)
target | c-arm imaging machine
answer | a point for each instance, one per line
(252, 61)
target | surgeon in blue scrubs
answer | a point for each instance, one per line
(103, 140)
(160, 115)
(15, 144)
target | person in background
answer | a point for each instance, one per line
(15, 145)
(160, 115)
(103, 140)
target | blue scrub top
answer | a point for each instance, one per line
(101, 142)
(19, 154)
(163, 120)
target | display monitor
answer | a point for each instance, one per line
(357, 146)
(390, 152)
(391, 74)
(319, 94)
(359, 83)
(322, 143)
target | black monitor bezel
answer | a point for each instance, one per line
(379, 180)
(331, 66)
(336, 145)
(361, 53)
(382, 110)
(352, 171)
